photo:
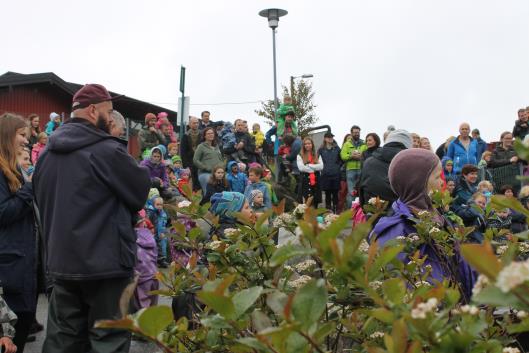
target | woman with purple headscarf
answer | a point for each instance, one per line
(413, 174)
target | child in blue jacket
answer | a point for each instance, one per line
(254, 175)
(159, 219)
(237, 180)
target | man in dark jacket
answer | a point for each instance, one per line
(245, 147)
(482, 145)
(521, 127)
(190, 141)
(374, 177)
(87, 188)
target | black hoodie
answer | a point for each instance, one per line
(374, 180)
(87, 187)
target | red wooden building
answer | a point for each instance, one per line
(44, 93)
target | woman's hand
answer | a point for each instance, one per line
(8, 345)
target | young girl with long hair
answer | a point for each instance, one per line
(34, 129)
(217, 183)
(309, 164)
(17, 233)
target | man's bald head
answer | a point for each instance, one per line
(117, 127)
(193, 123)
(464, 129)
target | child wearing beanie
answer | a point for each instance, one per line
(226, 205)
(257, 201)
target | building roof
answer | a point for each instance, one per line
(129, 107)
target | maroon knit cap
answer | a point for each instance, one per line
(91, 94)
(409, 172)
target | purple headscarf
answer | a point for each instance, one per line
(408, 175)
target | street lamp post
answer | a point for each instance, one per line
(292, 78)
(273, 21)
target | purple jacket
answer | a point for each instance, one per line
(147, 254)
(400, 224)
(156, 171)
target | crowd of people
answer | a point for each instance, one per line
(97, 215)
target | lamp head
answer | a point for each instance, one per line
(273, 16)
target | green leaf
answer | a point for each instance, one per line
(126, 323)
(260, 320)
(482, 258)
(394, 290)
(494, 296)
(244, 299)
(522, 150)
(277, 301)
(399, 333)
(382, 314)
(500, 202)
(324, 331)
(309, 302)
(253, 343)
(289, 251)
(296, 343)
(386, 256)
(215, 321)
(334, 229)
(194, 233)
(519, 328)
(155, 319)
(218, 302)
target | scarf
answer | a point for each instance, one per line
(312, 176)
(195, 138)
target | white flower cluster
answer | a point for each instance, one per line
(414, 238)
(376, 334)
(214, 245)
(283, 220)
(184, 204)
(375, 285)
(512, 275)
(434, 230)
(372, 201)
(521, 314)
(331, 217)
(411, 238)
(510, 350)
(470, 309)
(481, 283)
(364, 246)
(523, 247)
(501, 249)
(305, 265)
(422, 284)
(231, 232)
(299, 282)
(422, 213)
(424, 308)
(300, 209)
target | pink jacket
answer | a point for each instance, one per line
(36, 151)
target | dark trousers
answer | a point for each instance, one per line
(24, 321)
(74, 308)
(331, 200)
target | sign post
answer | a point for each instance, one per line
(182, 87)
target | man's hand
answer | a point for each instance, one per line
(240, 145)
(514, 159)
(356, 155)
(8, 345)
(152, 129)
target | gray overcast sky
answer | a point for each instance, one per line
(422, 65)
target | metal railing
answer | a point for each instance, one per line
(506, 175)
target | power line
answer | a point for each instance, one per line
(222, 103)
